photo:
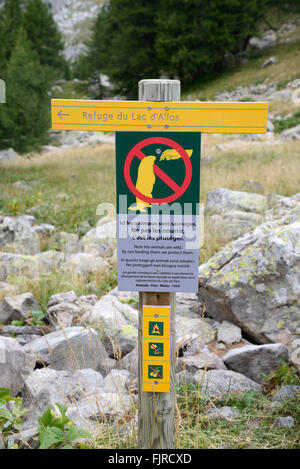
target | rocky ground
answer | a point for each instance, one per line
(239, 327)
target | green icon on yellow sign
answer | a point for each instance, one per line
(156, 328)
(155, 372)
(156, 349)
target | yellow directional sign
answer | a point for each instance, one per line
(205, 117)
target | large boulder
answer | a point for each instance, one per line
(27, 265)
(46, 387)
(15, 365)
(18, 236)
(254, 281)
(83, 263)
(254, 361)
(117, 323)
(100, 407)
(203, 360)
(268, 39)
(62, 308)
(72, 348)
(234, 213)
(218, 383)
(229, 333)
(100, 241)
(13, 308)
(8, 155)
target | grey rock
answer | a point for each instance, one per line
(189, 323)
(116, 381)
(255, 360)
(15, 365)
(282, 422)
(23, 334)
(26, 439)
(223, 413)
(222, 200)
(130, 362)
(192, 363)
(218, 383)
(254, 281)
(234, 213)
(293, 133)
(83, 263)
(286, 393)
(184, 377)
(46, 387)
(73, 348)
(100, 241)
(89, 412)
(67, 242)
(269, 61)
(8, 155)
(267, 40)
(229, 333)
(18, 236)
(117, 322)
(62, 308)
(13, 308)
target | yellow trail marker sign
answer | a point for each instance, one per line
(205, 117)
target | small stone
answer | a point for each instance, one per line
(284, 422)
(254, 361)
(269, 61)
(223, 413)
(8, 155)
(13, 308)
(286, 393)
(229, 333)
(220, 346)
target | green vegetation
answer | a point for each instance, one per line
(58, 431)
(27, 83)
(30, 57)
(10, 419)
(283, 124)
(188, 39)
(34, 318)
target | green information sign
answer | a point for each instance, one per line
(158, 191)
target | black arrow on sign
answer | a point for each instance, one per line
(62, 115)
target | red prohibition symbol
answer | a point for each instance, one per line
(136, 151)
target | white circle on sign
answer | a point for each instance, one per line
(158, 151)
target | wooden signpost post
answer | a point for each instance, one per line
(158, 146)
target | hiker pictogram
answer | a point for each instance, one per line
(156, 328)
(155, 371)
(149, 171)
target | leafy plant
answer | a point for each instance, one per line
(34, 318)
(11, 412)
(284, 374)
(14, 206)
(288, 123)
(58, 431)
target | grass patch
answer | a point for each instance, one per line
(288, 123)
(286, 69)
(71, 186)
(253, 429)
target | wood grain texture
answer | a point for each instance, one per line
(156, 428)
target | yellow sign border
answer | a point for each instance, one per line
(208, 117)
